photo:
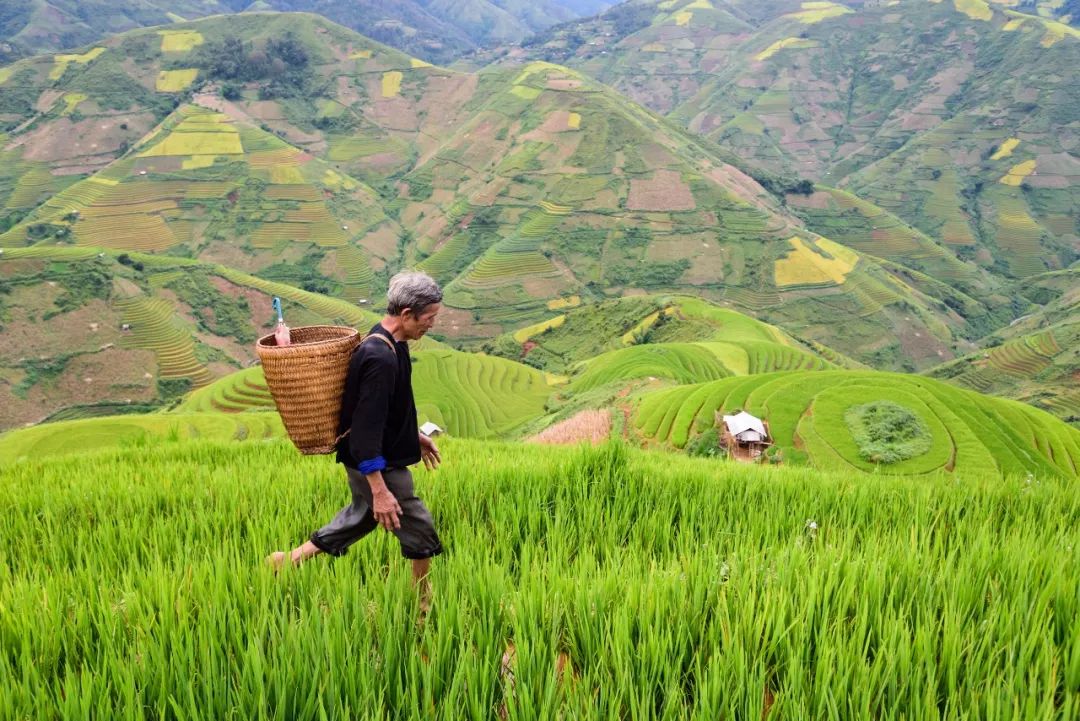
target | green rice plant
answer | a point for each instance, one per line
(582, 583)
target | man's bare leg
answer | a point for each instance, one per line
(421, 567)
(297, 556)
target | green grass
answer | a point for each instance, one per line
(672, 588)
(972, 434)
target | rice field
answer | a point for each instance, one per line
(391, 83)
(155, 327)
(175, 81)
(813, 13)
(90, 435)
(972, 434)
(678, 362)
(827, 263)
(476, 396)
(580, 583)
(179, 41)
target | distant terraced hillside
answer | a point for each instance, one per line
(833, 421)
(1037, 358)
(437, 31)
(948, 114)
(85, 332)
(515, 187)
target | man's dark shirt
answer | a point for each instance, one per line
(379, 408)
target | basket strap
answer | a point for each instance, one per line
(392, 347)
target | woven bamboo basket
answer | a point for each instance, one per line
(307, 380)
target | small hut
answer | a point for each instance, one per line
(744, 436)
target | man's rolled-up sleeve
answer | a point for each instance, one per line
(378, 374)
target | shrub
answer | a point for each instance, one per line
(887, 432)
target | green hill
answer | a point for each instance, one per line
(469, 395)
(66, 351)
(585, 584)
(866, 421)
(630, 326)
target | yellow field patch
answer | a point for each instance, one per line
(197, 144)
(416, 63)
(198, 161)
(1013, 24)
(72, 100)
(647, 322)
(667, 4)
(554, 380)
(1018, 173)
(805, 266)
(1006, 149)
(174, 81)
(815, 12)
(286, 175)
(103, 181)
(179, 41)
(572, 301)
(336, 181)
(682, 19)
(526, 92)
(360, 55)
(1056, 32)
(527, 332)
(6, 73)
(391, 83)
(785, 43)
(974, 9)
(653, 48)
(700, 5)
(61, 62)
(176, 18)
(573, 121)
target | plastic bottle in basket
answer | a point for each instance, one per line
(281, 333)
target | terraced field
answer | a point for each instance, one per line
(693, 362)
(972, 434)
(474, 395)
(94, 434)
(154, 327)
(240, 392)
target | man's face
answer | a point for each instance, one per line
(415, 326)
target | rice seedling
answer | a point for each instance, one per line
(578, 583)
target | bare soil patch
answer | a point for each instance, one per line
(593, 426)
(664, 191)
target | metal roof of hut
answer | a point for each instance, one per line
(746, 427)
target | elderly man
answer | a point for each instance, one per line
(380, 439)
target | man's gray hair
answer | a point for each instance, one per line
(411, 289)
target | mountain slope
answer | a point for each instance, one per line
(1036, 359)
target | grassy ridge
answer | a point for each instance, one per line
(787, 591)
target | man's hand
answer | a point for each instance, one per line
(386, 509)
(429, 453)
